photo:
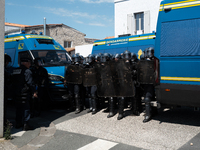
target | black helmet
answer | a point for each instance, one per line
(150, 52)
(105, 57)
(127, 55)
(133, 57)
(91, 58)
(112, 56)
(142, 56)
(98, 57)
(76, 58)
(118, 56)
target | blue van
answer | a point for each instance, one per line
(178, 49)
(135, 44)
(54, 56)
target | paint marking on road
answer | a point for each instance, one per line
(19, 133)
(99, 145)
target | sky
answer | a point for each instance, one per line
(95, 18)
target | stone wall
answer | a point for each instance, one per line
(61, 33)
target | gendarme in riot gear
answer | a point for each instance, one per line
(24, 89)
(147, 76)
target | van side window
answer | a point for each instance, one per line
(23, 55)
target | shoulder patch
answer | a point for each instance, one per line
(17, 71)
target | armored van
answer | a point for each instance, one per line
(55, 58)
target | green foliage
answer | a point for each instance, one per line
(7, 131)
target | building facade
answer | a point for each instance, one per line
(67, 36)
(135, 16)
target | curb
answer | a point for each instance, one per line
(46, 133)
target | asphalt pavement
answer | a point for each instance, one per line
(59, 129)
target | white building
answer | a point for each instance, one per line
(84, 50)
(136, 16)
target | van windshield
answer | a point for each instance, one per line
(52, 57)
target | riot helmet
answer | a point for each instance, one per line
(133, 57)
(142, 56)
(117, 56)
(105, 57)
(127, 55)
(81, 59)
(150, 52)
(97, 57)
(76, 58)
(91, 58)
(112, 57)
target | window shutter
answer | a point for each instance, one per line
(130, 24)
(147, 22)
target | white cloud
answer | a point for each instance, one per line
(80, 22)
(97, 24)
(98, 1)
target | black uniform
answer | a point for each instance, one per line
(73, 77)
(91, 90)
(149, 89)
(136, 100)
(24, 89)
(41, 80)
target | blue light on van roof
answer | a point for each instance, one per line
(23, 32)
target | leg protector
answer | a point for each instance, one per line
(148, 115)
(94, 104)
(90, 105)
(78, 104)
(135, 106)
(121, 108)
(111, 108)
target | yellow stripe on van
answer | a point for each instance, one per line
(38, 37)
(178, 5)
(11, 39)
(181, 78)
(142, 38)
(99, 43)
(180, 2)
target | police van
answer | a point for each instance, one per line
(178, 49)
(135, 44)
(54, 57)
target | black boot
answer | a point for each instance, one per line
(78, 104)
(90, 105)
(72, 105)
(135, 107)
(94, 106)
(111, 108)
(121, 109)
(148, 115)
(27, 127)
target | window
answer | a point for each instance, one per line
(45, 41)
(67, 44)
(139, 21)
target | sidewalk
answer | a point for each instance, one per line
(60, 130)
